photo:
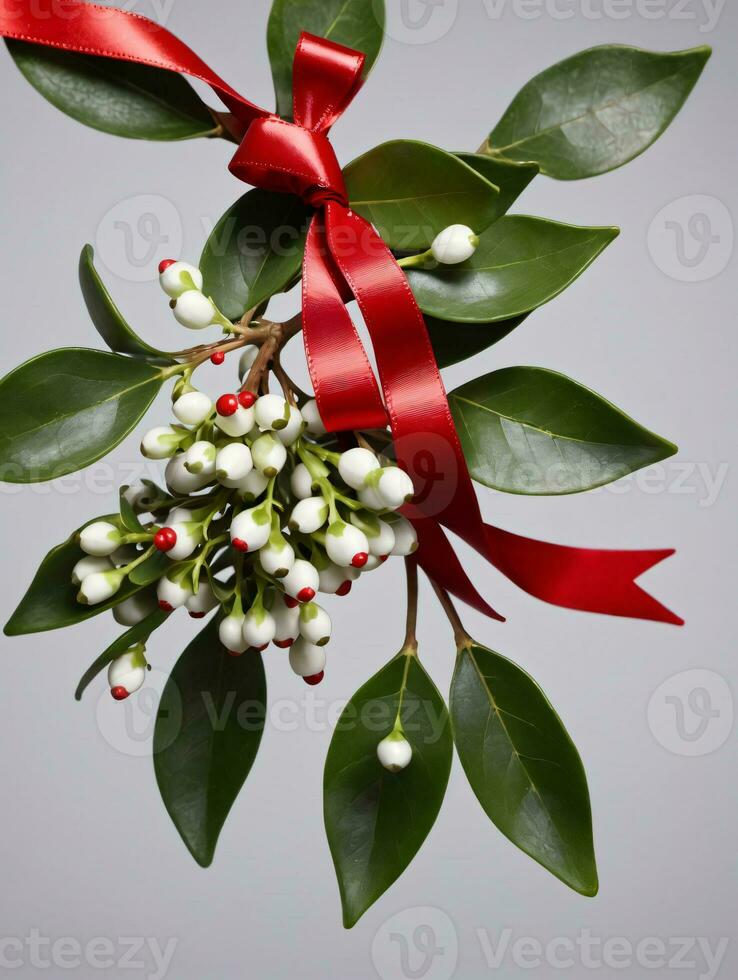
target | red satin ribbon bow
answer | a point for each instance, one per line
(345, 259)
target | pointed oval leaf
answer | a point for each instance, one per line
(254, 251)
(455, 342)
(118, 97)
(521, 263)
(51, 600)
(376, 821)
(136, 634)
(107, 318)
(511, 178)
(523, 766)
(597, 110)
(200, 772)
(532, 431)
(65, 409)
(354, 23)
(411, 191)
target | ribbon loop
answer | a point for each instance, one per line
(326, 77)
(280, 156)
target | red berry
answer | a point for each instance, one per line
(218, 357)
(315, 679)
(345, 588)
(360, 559)
(283, 644)
(165, 538)
(226, 405)
(197, 615)
(290, 602)
(165, 606)
(306, 595)
(239, 544)
(247, 398)
(119, 693)
(164, 265)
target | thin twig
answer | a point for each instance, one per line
(411, 571)
(460, 635)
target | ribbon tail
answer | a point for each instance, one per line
(108, 32)
(342, 377)
(586, 579)
(440, 563)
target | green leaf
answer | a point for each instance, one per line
(117, 97)
(354, 23)
(454, 342)
(127, 513)
(521, 263)
(65, 409)
(51, 600)
(511, 178)
(254, 251)
(523, 766)
(533, 431)
(411, 191)
(377, 820)
(597, 110)
(107, 318)
(222, 703)
(150, 570)
(136, 634)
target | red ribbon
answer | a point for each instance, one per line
(346, 259)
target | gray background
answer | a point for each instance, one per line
(87, 848)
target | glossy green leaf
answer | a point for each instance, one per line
(597, 110)
(354, 23)
(523, 766)
(254, 251)
(136, 634)
(377, 820)
(533, 431)
(511, 178)
(108, 319)
(51, 600)
(150, 570)
(127, 513)
(65, 409)
(454, 342)
(411, 191)
(119, 97)
(521, 263)
(221, 701)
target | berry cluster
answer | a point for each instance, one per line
(261, 515)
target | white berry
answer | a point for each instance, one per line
(173, 280)
(100, 539)
(371, 499)
(302, 581)
(192, 408)
(253, 486)
(333, 578)
(395, 752)
(188, 538)
(238, 424)
(306, 659)
(194, 310)
(233, 464)
(128, 671)
(259, 627)
(406, 537)
(271, 412)
(287, 622)
(134, 609)
(269, 454)
(454, 244)
(381, 543)
(99, 587)
(313, 421)
(160, 443)
(199, 459)
(301, 483)
(179, 480)
(346, 545)
(230, 633)
(394, 487)
(203, 600)
(89, 565)
(172, 595)
(315, 624)
(293, 430)
(277, 561)
(250, 529)
(309, 515)
(355, 465)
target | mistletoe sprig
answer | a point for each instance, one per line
(261, 509)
